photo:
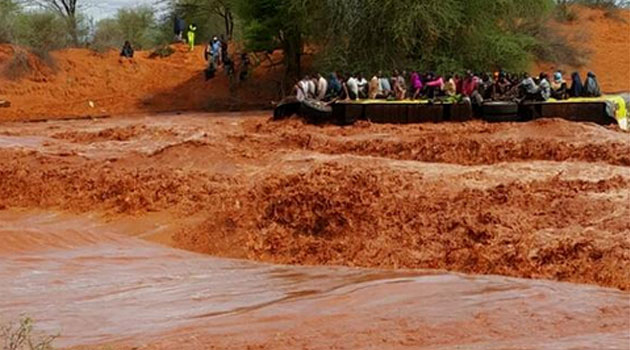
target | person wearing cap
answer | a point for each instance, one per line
(559, 87)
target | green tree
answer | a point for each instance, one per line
(41, 31)
(8, 12)
(205, 12)
(442, 35)
(66, 9)
(275, 24)
(136, 24)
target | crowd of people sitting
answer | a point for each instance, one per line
(400, 85)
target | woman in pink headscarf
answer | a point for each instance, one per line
(416, 85)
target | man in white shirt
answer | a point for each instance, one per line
(311, 88)
(322, 87)
(363, 86)
(352, 88)
(303, 85)
(302, 89)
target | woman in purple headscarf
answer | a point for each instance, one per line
(416, 85)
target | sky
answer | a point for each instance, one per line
(107, 8)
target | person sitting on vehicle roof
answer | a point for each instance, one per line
(534, 92)
(351, 88)
(459, 83)
(363, 86)
(312, 88)
(530, 90)
(435, 85)
(559, 87)
(450, 87)
(544, 86)
(576, 85)
(303, 84)
(591, 87)
(386, 86)
(374, 88)
(335, 88)
(416, 85)
(469, 85)
(502, 85)
(322, 87)
(486, 87)
(400, 86)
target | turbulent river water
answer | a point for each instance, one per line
(92, 214)
(84, 280)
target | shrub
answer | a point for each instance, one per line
(17, 66)
(162, 51)
(134, 24)
(21, 336)
(107, 35)
(8, 12)
(41, 32)
(565, 13)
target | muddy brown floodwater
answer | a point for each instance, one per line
(471, 235)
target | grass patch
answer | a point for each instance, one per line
(162, 51)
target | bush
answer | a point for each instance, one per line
(565, 13)
(162, 51)
(108, 35)
(41, 32)
(8, 12)
(17, 66)
(134, 24)
(20, 336)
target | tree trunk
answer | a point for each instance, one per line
(229, 24)
(293, 56)
(72, 28)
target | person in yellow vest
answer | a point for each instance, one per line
(191, 36)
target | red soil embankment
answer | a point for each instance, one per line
(605, 36)
(144, 86)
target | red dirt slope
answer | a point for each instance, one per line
(606, 37)
(148, 85)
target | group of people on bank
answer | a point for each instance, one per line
(216, 52)
(401, 85)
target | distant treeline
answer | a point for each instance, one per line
(347, 35)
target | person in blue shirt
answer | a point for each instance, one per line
(334, 86)
(215, 51)
(386, 87)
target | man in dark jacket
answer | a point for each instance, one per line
(576, 85)
(178, 28)
(126, 51)
(591, 87)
